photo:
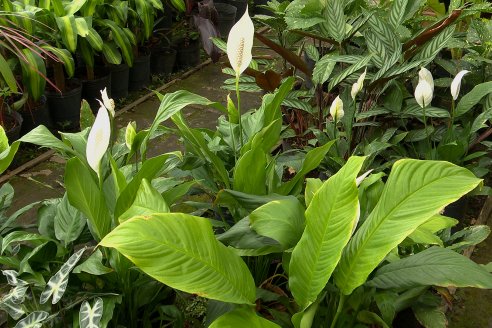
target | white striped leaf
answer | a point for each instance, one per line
(33, 320)
(58, 283)
(90, 317)
(12, 279)
(435, 45)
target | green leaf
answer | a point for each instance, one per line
(334, 25)
(312, 186)
(430, 317)
(7, 156)
(147, 201)
(312, 161)
(85, 195)
(323, 68)
(352, 69)
(74, 6)
(41, 136)
(86, 115)
(90, 316)
(435, 45)
(69, 222)
(33, 320)
(242, 317)
(330, 220)
(149, 171)
(181, 251)
(57, 284)
(7, 74)
(93, 265)
(414, 192)
(68, 30)
(65, 57)
(33, 73)
(472, 98)
(397, 12)
(435, 266)
(250, 172)
(197, 143)
(281, 220)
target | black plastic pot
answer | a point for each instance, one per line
(261, 11)
(139, 73)
(240, 5)
(187, 56)
(14, 132)
(65, 107)
(457, 209)
(119, 81)
(162, 60)
(226, 18)
(39, 115)
(91, 89)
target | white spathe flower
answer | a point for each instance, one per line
(423, 93)
(456, 84)
(357, 86)
(98, 140)
(336, 109)
(240, 43)
(108, 103)
(426, 75)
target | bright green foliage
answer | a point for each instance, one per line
(415, 191)
(330, 220)
(435, 266)
(181, 251)
(242, 317)
(281, 220)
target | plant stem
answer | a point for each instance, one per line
(451, 120)
(426, 132)
(341, 302)
(239, 112)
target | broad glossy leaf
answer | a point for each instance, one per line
(242, 317)
(472, 98)
(281, 220)
(7, 74)
(93, 265)
(330, 220)
(415, 191)
(58, 283)
(147, 201)
(435, 266)
(90, 316)
(85, 195)
(33, 320)
(250, 172)
(181, 251)
(149, 171)
(12, 278)
(41, 136)
(69, 222)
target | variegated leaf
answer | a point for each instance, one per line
(33, 320)
(12, 279)
(90, 317)
(58, 283)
